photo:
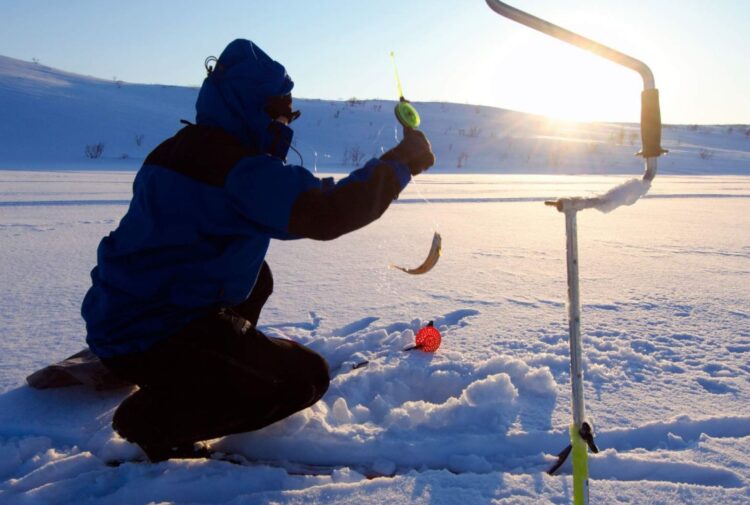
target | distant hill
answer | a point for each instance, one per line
(51, 118)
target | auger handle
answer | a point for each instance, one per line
(650, 113)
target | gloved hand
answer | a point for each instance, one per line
(414, 151)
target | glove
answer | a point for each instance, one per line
(414, 151)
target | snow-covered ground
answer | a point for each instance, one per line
(666, 313)
(665, 291)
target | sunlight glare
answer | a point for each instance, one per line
(540, 75)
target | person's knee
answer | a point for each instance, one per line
(311, 377)
(131, 419)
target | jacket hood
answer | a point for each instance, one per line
(234, 94)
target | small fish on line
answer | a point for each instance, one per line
(432, 258)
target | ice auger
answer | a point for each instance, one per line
(581, 430)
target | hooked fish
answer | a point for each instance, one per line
(432, 258)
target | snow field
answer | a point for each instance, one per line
(666, 343)
(665, 311)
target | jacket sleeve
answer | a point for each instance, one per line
(289, 202)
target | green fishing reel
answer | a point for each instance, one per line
(406, 114)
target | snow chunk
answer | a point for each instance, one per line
(384, 467)
(494, 390)
(469, 463)
(14, 452)
(626, 193)
(539, 381)
(340, 414)
(487, 402)
(60, 467)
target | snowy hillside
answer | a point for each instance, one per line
(50, 117)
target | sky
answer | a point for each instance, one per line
(446, 50)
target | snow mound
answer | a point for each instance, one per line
(425, 401)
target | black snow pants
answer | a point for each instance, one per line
(219, 375)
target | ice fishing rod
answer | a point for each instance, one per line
(581, 430)
(409, 118)
(405, 112)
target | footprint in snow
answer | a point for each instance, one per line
(716, 387)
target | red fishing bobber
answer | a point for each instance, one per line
(428, 339)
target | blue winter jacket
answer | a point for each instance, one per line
(206, 204)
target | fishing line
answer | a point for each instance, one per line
(417, 189)
(408, 116)
(301, 161)
(312, 149)
(427, 338)
(395, 72)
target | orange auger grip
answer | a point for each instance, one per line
(650, 124)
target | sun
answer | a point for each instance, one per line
(543, 76)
